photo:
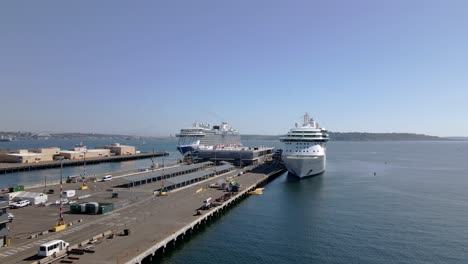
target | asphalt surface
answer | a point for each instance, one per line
(150, 218)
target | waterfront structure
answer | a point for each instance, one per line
(205, 135)
(237, 155)
(3, 223)
(304, 152)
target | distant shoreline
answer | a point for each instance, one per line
(334, 136)
(363, 136)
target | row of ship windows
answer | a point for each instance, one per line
(300, 132)
(288, 150)
(307, 136)
(308, 144)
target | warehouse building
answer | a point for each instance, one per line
(50, 151)
(23, 156)
(81, 153)
(181, 181)
(181, 177)
(164, 174)
(118, 149)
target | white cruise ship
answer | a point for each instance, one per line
(205, 135)
(304, 152)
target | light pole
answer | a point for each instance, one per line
(163, 173)
(45, 183)
(84, 163)
(61, 222)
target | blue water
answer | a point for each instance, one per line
(414, 210)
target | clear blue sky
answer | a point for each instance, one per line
(152, 67)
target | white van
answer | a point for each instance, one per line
(69, 193)
(107, 178)
(52, 247)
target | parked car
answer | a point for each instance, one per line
(20, 204)
(10, 217)
(64, 201)
(107, 178)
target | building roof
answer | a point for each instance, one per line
(71, 151)
(97, 150)
(197, 174)
(166, 171)
(28, 154)
(224, 167)
(45, 148)
(29, 195)
(89, 150)
(190, 176)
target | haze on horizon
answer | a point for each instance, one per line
(152, 67)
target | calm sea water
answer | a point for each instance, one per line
(415, 210)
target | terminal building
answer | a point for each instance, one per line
(3, 223)
(236, 155)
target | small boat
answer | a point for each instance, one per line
(257, 191)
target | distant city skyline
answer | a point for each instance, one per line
(149, 68)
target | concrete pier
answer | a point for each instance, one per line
(155, 224)
(15, 167)
(148, 255)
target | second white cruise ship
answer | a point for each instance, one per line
(304, 152)
(203, 135)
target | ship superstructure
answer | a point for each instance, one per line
(205, 135)
(304, 151)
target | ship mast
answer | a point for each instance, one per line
(306, 119)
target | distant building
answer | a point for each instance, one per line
(24, 156)
(82, 152)
(118, 149)
(53, 150)
(3, 223)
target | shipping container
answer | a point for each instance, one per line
(18, 188)
(75, 208)
(92, 208)
(105, 208)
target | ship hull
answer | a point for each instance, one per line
(305, 166)
(184, 149)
